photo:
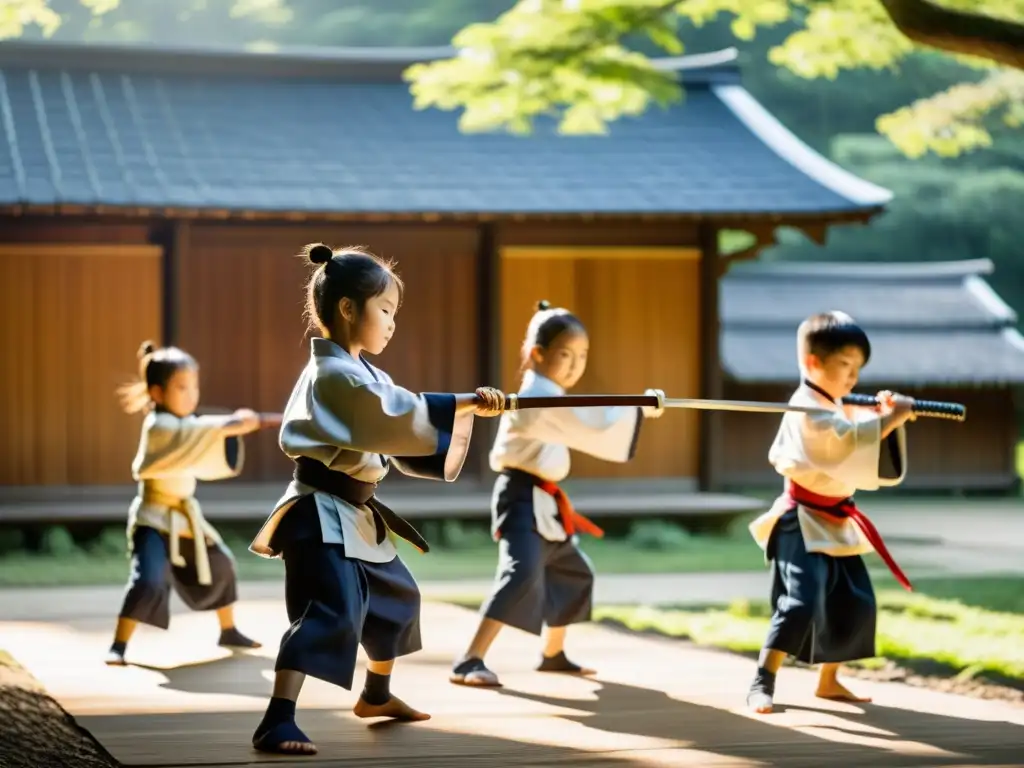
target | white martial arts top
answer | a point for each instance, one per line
(538, 441)
(833, 455)
(173, 454)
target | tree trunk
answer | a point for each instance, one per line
(973, 34)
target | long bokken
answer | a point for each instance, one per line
(924, 408)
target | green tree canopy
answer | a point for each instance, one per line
(16, 15)
(584, 62)
(573, 59)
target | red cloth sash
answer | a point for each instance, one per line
(572, 520)
(837, 508)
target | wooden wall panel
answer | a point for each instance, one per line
(73, 318)
(241, 301)
(641, 308)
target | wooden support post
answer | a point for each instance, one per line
(489, 336)
(175, 240)
(711, 366)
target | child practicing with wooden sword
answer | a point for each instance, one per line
(346, 424)
(544, 578)
(814, 535)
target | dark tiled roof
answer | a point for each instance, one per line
(929, 323)
(313, 133)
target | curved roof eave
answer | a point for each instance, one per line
(786, 145)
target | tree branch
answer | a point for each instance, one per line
(973, 34)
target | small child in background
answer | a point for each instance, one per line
(544, 578)
(170, 542)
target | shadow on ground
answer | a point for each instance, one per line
(635, 710)
(869, 735)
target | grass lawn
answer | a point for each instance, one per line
(461, 552)
(968, 627)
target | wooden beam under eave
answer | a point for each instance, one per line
(710, 440)
(728, 220)
(765, 237)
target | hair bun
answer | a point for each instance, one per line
(542, 305)
(318, 253)
(146, 348)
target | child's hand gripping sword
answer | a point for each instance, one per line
(925, 408)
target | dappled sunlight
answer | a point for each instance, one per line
(548, 729)
(888, 742)
(844, 726)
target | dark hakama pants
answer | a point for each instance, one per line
(538, 581)
(147, 597)
(336, 604)
(825, 609)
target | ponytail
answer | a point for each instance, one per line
(156, 366)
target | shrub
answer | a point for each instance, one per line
(657, 535)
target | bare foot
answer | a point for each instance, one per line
(578, 672)
(559, 663)
(760, 702)
(294, 742)
(394, 708)
(474, 673)
(836, 691)
(760, 697)
(294, 748)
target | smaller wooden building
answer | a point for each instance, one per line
(938, 331)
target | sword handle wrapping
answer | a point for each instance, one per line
(929, 408)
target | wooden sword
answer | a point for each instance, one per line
(926, 408)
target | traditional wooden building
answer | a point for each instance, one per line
(938, 331)
(161, 194)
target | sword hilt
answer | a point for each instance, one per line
(515, 402)
(930, 408)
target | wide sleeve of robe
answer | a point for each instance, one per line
(194, 445)
(610, 434)
(420, 432)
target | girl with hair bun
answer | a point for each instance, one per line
(543, 577)
(176, 449)
(345, 425)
